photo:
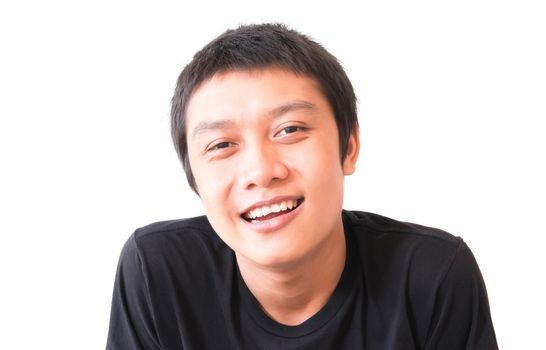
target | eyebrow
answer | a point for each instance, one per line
(272, 113)
(290, 107)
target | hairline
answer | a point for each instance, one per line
(253, 70)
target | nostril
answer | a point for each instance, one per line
(260, 165)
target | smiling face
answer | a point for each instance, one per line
(264, 150)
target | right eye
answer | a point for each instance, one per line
(219, 146)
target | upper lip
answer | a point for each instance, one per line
(268, 202)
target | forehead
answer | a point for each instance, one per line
(234, 94)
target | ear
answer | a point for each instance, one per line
(353, 148)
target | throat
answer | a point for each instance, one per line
(291, 295)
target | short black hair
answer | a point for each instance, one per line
(260, 46)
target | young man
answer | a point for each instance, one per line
(264, 121)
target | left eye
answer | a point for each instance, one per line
(289, 130)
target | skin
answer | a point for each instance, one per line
(254, 136)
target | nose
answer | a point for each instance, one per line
(261, 166)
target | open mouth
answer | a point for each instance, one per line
(268, 212)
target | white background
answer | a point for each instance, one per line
(452, 100)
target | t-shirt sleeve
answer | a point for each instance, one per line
(461, 318)
(131, 320)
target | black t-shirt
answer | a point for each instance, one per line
(404, 286)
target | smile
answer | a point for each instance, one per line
(267, 212)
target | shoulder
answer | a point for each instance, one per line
(386, 238)
(377, 225)
(183, 242)
(423, 275)
(167, 272)
(399, 254)
(175, 234)
(174, 228)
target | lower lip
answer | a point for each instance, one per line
(273, 224)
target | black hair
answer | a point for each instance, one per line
(260, 46)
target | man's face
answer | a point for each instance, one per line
(264, 149)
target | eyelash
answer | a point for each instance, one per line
(216, 147)
(226, 144)
(294, 127)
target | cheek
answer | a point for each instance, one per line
(211, 186)
(320, 162)
(206, 174)
(214, 185)
(322, 171)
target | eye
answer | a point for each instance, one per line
(289, 130)
(219, 146)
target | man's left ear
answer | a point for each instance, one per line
(353, 148)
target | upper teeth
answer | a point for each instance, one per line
(273, 208)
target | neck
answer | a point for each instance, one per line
(292, 294)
